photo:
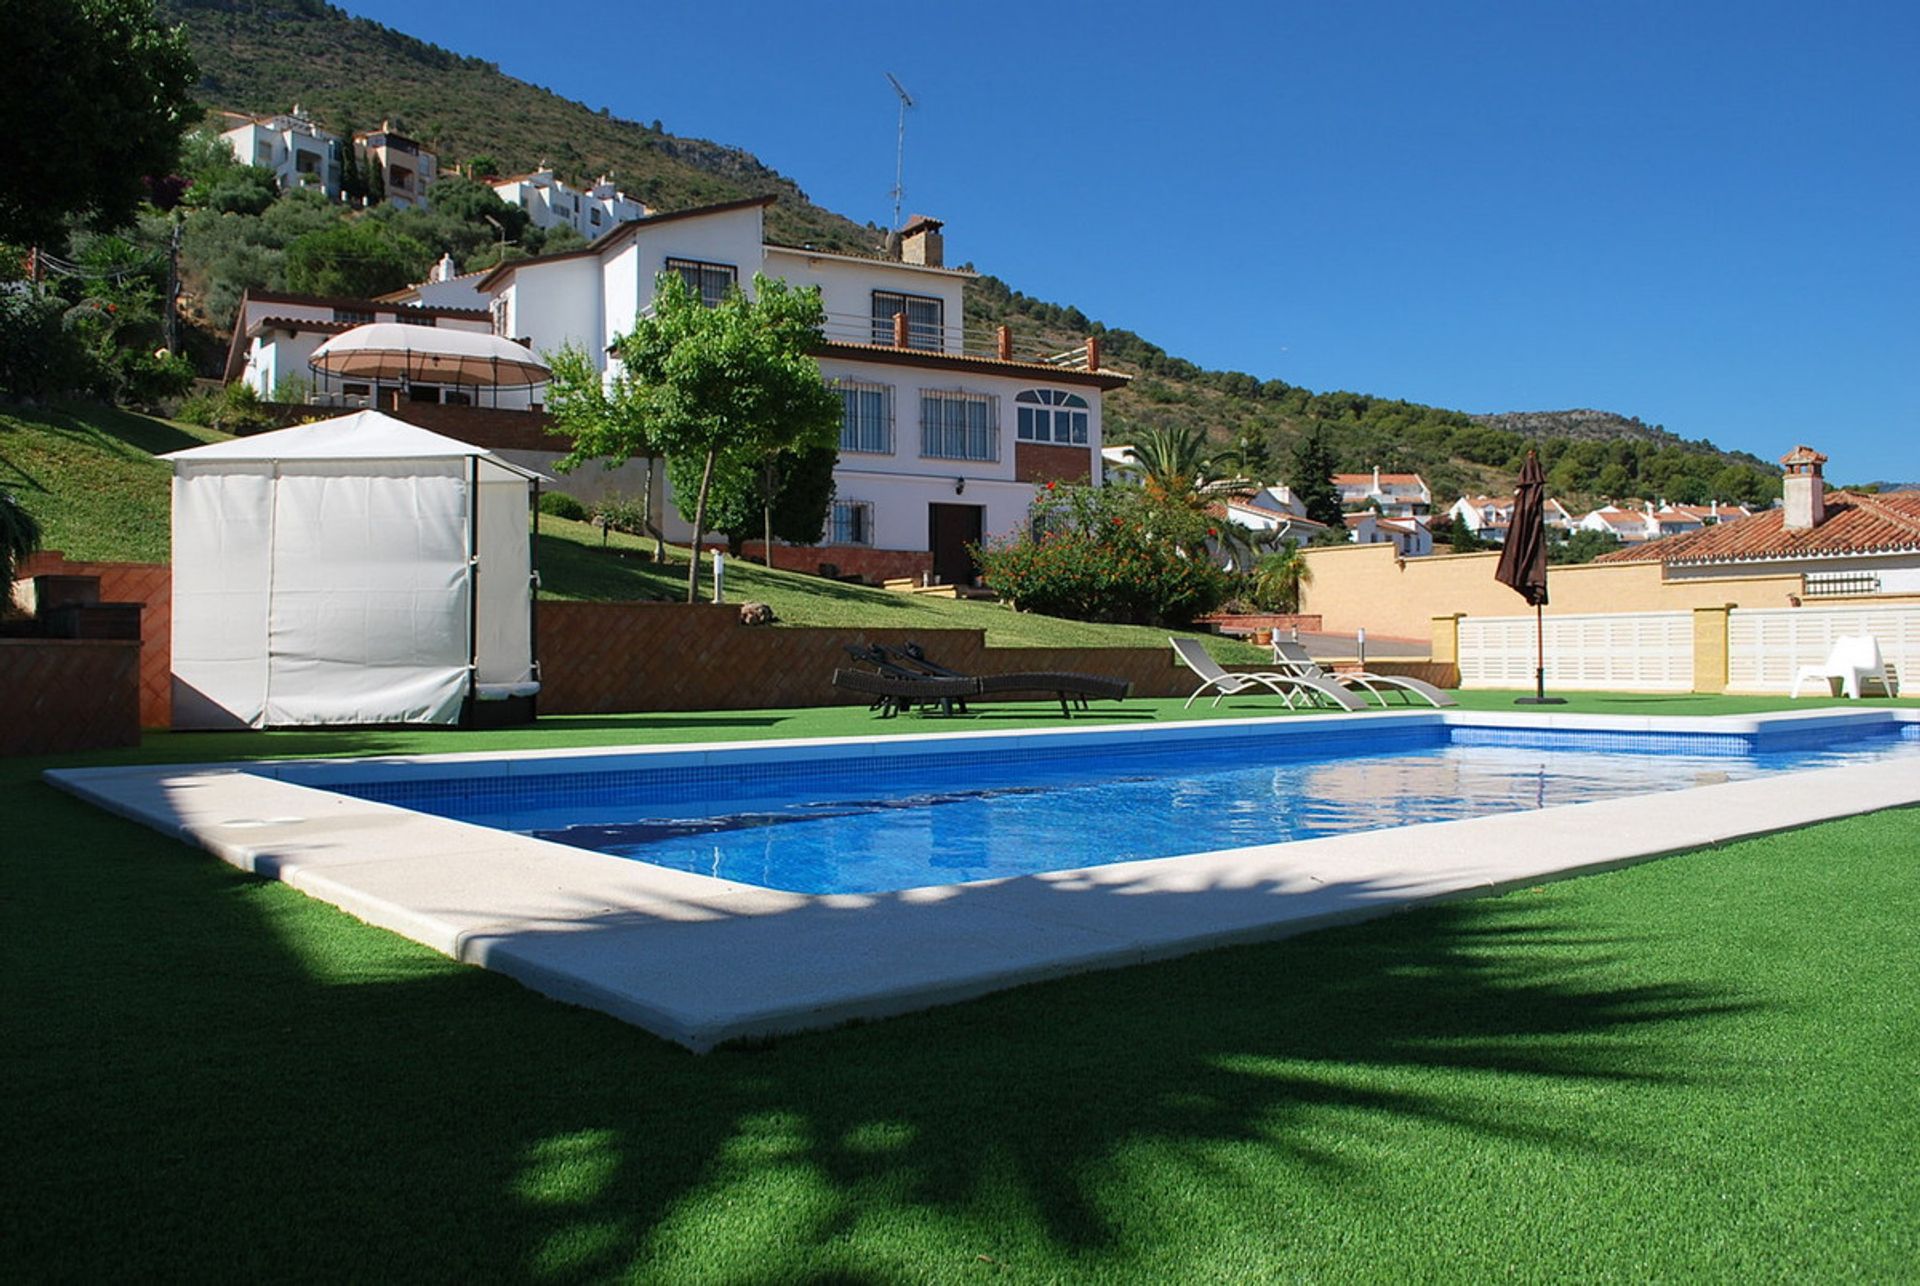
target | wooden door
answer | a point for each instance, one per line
(950, 529)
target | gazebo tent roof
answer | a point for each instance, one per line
(430, 354)
(364, 435)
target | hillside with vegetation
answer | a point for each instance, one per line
(350, 73)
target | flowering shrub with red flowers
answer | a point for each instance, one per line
(1106, 554)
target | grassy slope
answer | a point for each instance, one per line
(1697, 1067)
(87, 473)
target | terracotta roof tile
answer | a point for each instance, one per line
(1856, 523)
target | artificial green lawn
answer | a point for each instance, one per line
(1698, 1067)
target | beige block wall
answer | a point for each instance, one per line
(1370, 587)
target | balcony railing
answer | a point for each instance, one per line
(997, 343)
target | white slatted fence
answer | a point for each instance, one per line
(1623, 651)
(1767, 646)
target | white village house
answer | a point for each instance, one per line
(1845, 544)
(299, 153)
(406, 168)
(550, 202)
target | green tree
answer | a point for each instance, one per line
(785, 496)
(359, 259)
(1279, 577)
(1583, 546)
(738, 379)
(95, 101)
(610, 413)
(1312, 469)
(19, 536)
(1174, 465)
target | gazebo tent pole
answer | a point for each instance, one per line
(533, 589)
(473, 583)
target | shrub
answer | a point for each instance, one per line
(622, 513)
(558, 504)
(1108, 554)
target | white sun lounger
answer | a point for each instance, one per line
(1291, 658)
(1224, 683)
(1856, 662)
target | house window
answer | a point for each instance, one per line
(852, 523)
(1048, 415)
(594, 217)
(399, 180)
(711, 281)
(352, 316)
(406, 318)
(1838, 584)
(499, 310)
(866, 418)
(958, 426)
(926, 318)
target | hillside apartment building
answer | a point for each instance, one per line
(941, 445)
(551, 202)
(303, 155)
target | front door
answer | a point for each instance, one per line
(950, 529)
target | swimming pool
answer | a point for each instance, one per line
(883, 824)
(703, 960)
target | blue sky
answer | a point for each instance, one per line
(1705, 215)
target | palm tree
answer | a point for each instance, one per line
(1174, 465)
(1279, 577)
(19, 536)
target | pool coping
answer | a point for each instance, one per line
(702, 961)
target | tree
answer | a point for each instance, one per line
(737, 379)
(1174, 465)
(19, 536)
(95, 99)
(609, 411)
(358, 259)
(1312, 479)
(785, 496)
(1583, 546)
(1279, 577)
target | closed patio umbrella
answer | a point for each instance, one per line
(396, 352)
(1523, 565)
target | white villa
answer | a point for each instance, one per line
(551, 203)
(1845, 544)
(275, 334)
(299, 153)
(941, 446)
(1488, 517)
(1397, 495)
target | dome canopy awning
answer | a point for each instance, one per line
(397, 352)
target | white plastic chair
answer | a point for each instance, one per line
(1856, 662)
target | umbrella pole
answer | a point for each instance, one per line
(1539, 697)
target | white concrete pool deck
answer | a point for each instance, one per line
(701, 961)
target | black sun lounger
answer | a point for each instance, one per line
(891, 694)
(1065, 685)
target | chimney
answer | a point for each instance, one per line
(921, 243)
(1376, 479)
(1805, 490)
(445, 269)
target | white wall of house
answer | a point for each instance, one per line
(551, 203)
(552, 303)
(1898, 573)
(299, 153)
(846, 291)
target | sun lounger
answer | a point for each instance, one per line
(1291, 658)
(1224, 683)
(1856, 663)
(1068, 687)
(891, 694)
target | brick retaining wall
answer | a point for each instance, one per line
(149, 584)
(60, 695)
(605, 658)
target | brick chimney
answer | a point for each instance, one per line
(921, 243)
(1805, 490)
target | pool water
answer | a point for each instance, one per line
(884, 823)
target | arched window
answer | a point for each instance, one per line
(1048, 415)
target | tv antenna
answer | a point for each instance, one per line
(900, 149)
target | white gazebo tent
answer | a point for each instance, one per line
(354, 571)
